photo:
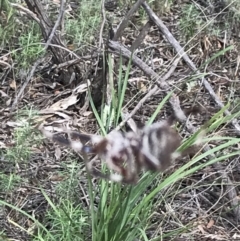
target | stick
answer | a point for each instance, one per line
(189, 62)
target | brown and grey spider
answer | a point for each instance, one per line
(125, 154)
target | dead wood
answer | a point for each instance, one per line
(124, 23)
(52, 37)
(180, 51)
(232, 194)
(162, 84)
(141, 36)
(119, 49)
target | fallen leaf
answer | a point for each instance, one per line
(14, 124)
(3, 94)
(13, 84)
(63, 115)
(200, 227)
(82, 88)
(58, 153)
(65, 103)
(57, 178)
(8, 102)
(210, 223)
(88, 114)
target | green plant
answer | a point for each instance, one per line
(81, 29)
(162, 6)
(30, 46)
(118, 212)
(68, 221)
(7, 23)
(191, 21)
(23, 136)
(8, 182)
(123, 211)
(14, 32)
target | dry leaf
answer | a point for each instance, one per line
(236, 236)
(82, 88)
(3, 94)
(200, 227)
(58, 153)
(57, 178)
(63, 115)
(65, 103)
(57, 2)
(8, 102)
(216, 237)
(142, 86)
(88, 114)
(14, 124)
(13, 84)
(210, 223)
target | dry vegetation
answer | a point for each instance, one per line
(71, 64)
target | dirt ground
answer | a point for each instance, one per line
(207, 75)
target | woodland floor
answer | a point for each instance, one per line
(48, 96)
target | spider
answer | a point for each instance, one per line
(153, 148)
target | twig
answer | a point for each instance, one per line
(102, 25)
(26, 82)
(19, 95)
(26, 10)
(60, 16)
(124, 23)
(5, 64)
(137, 107)
(189, 62)
(124, 52)
(140, 37)
(232, 194)
(148, 95)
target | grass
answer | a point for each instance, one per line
(7, 23)
(22, 40)
(124, 212)
(23, 136)
(209, 20)
(191, 21)
(30, 47)
(25, 40)
(114, 212)
(9, 182)
(162, 6)
(18, 154)
(80, 31)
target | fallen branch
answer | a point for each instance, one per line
(124, 22)
(29, 77)
(33, 69)
(148, 95)
(119, 49)
(49, 33)
(232, 194)
(189, 62)
(160, 82)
